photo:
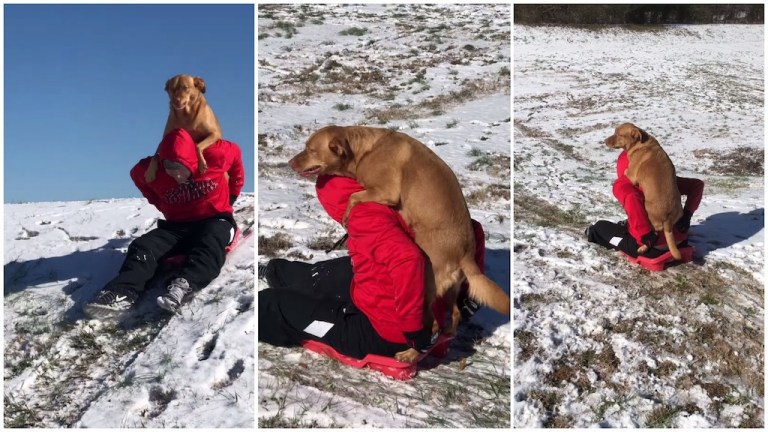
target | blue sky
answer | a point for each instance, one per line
(84, 98)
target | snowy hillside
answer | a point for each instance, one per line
(193, 370)
(599, 341)
(442, 75)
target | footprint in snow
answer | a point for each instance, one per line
(232, 374)
(27, 234)
(244, 303)
(207, 348)
(159, 399)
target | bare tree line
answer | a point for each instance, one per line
(581, 14)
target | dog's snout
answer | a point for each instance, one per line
(294, 164)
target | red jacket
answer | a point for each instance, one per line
(203, 195)
(633, 201)
(388, 267)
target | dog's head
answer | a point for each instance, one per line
(327, 151)
(184, 90)
(625, 136)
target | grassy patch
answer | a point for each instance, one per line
(546, 138)
(728, 184)
(18, 414)
(536, 211)
(527, 343)
(342, 107)
(354, 31)
(661, 417)
(741, 161)
(326, 242)
(495, 164)
(470, 90)
(488, 193)
(288, 30)
(272, 246)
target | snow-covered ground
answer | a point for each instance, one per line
(192, 370)
(600, 341)
(440, 74)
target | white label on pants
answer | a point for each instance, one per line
(615, 241)
(318, 328)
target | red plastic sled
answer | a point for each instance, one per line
(664, 260)
(386, 365)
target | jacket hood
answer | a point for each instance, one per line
(333, 193)
(178, 146)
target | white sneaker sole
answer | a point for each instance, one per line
(167, 304)
(97, 311)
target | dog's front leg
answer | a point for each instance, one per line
(368, 195)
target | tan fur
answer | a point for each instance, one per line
(189, 110)
(401, 172)
(652, 170)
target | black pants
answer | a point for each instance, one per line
(616, 236)
(312, 301)
(202, 242)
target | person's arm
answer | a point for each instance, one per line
(235, 171)
(378, 226)
(137, 175)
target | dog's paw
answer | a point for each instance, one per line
(344, 219)
(150, 173)
(202, 165)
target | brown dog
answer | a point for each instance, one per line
(189, 110)
(401, 172)
(652, 170)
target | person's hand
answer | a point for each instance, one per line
(421, 340)
(684, 223)
(650, 239)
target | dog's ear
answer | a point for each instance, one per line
(643, 135)
(168, 84)
(200, 84)
(340, 147)
(636, 134)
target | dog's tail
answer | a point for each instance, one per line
(484, 290)
(671, 242)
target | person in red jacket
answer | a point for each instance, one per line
(370, 302)
(636, 230)
(198, 223)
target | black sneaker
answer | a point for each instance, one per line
(263, 271)
(467, 306)
(177, 290)
(109, 304)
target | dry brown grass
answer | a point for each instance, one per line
(741, 161)
(470, 90)
(273, 246)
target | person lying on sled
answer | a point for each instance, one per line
(198, 223)
(636, 230)
(370, 302)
